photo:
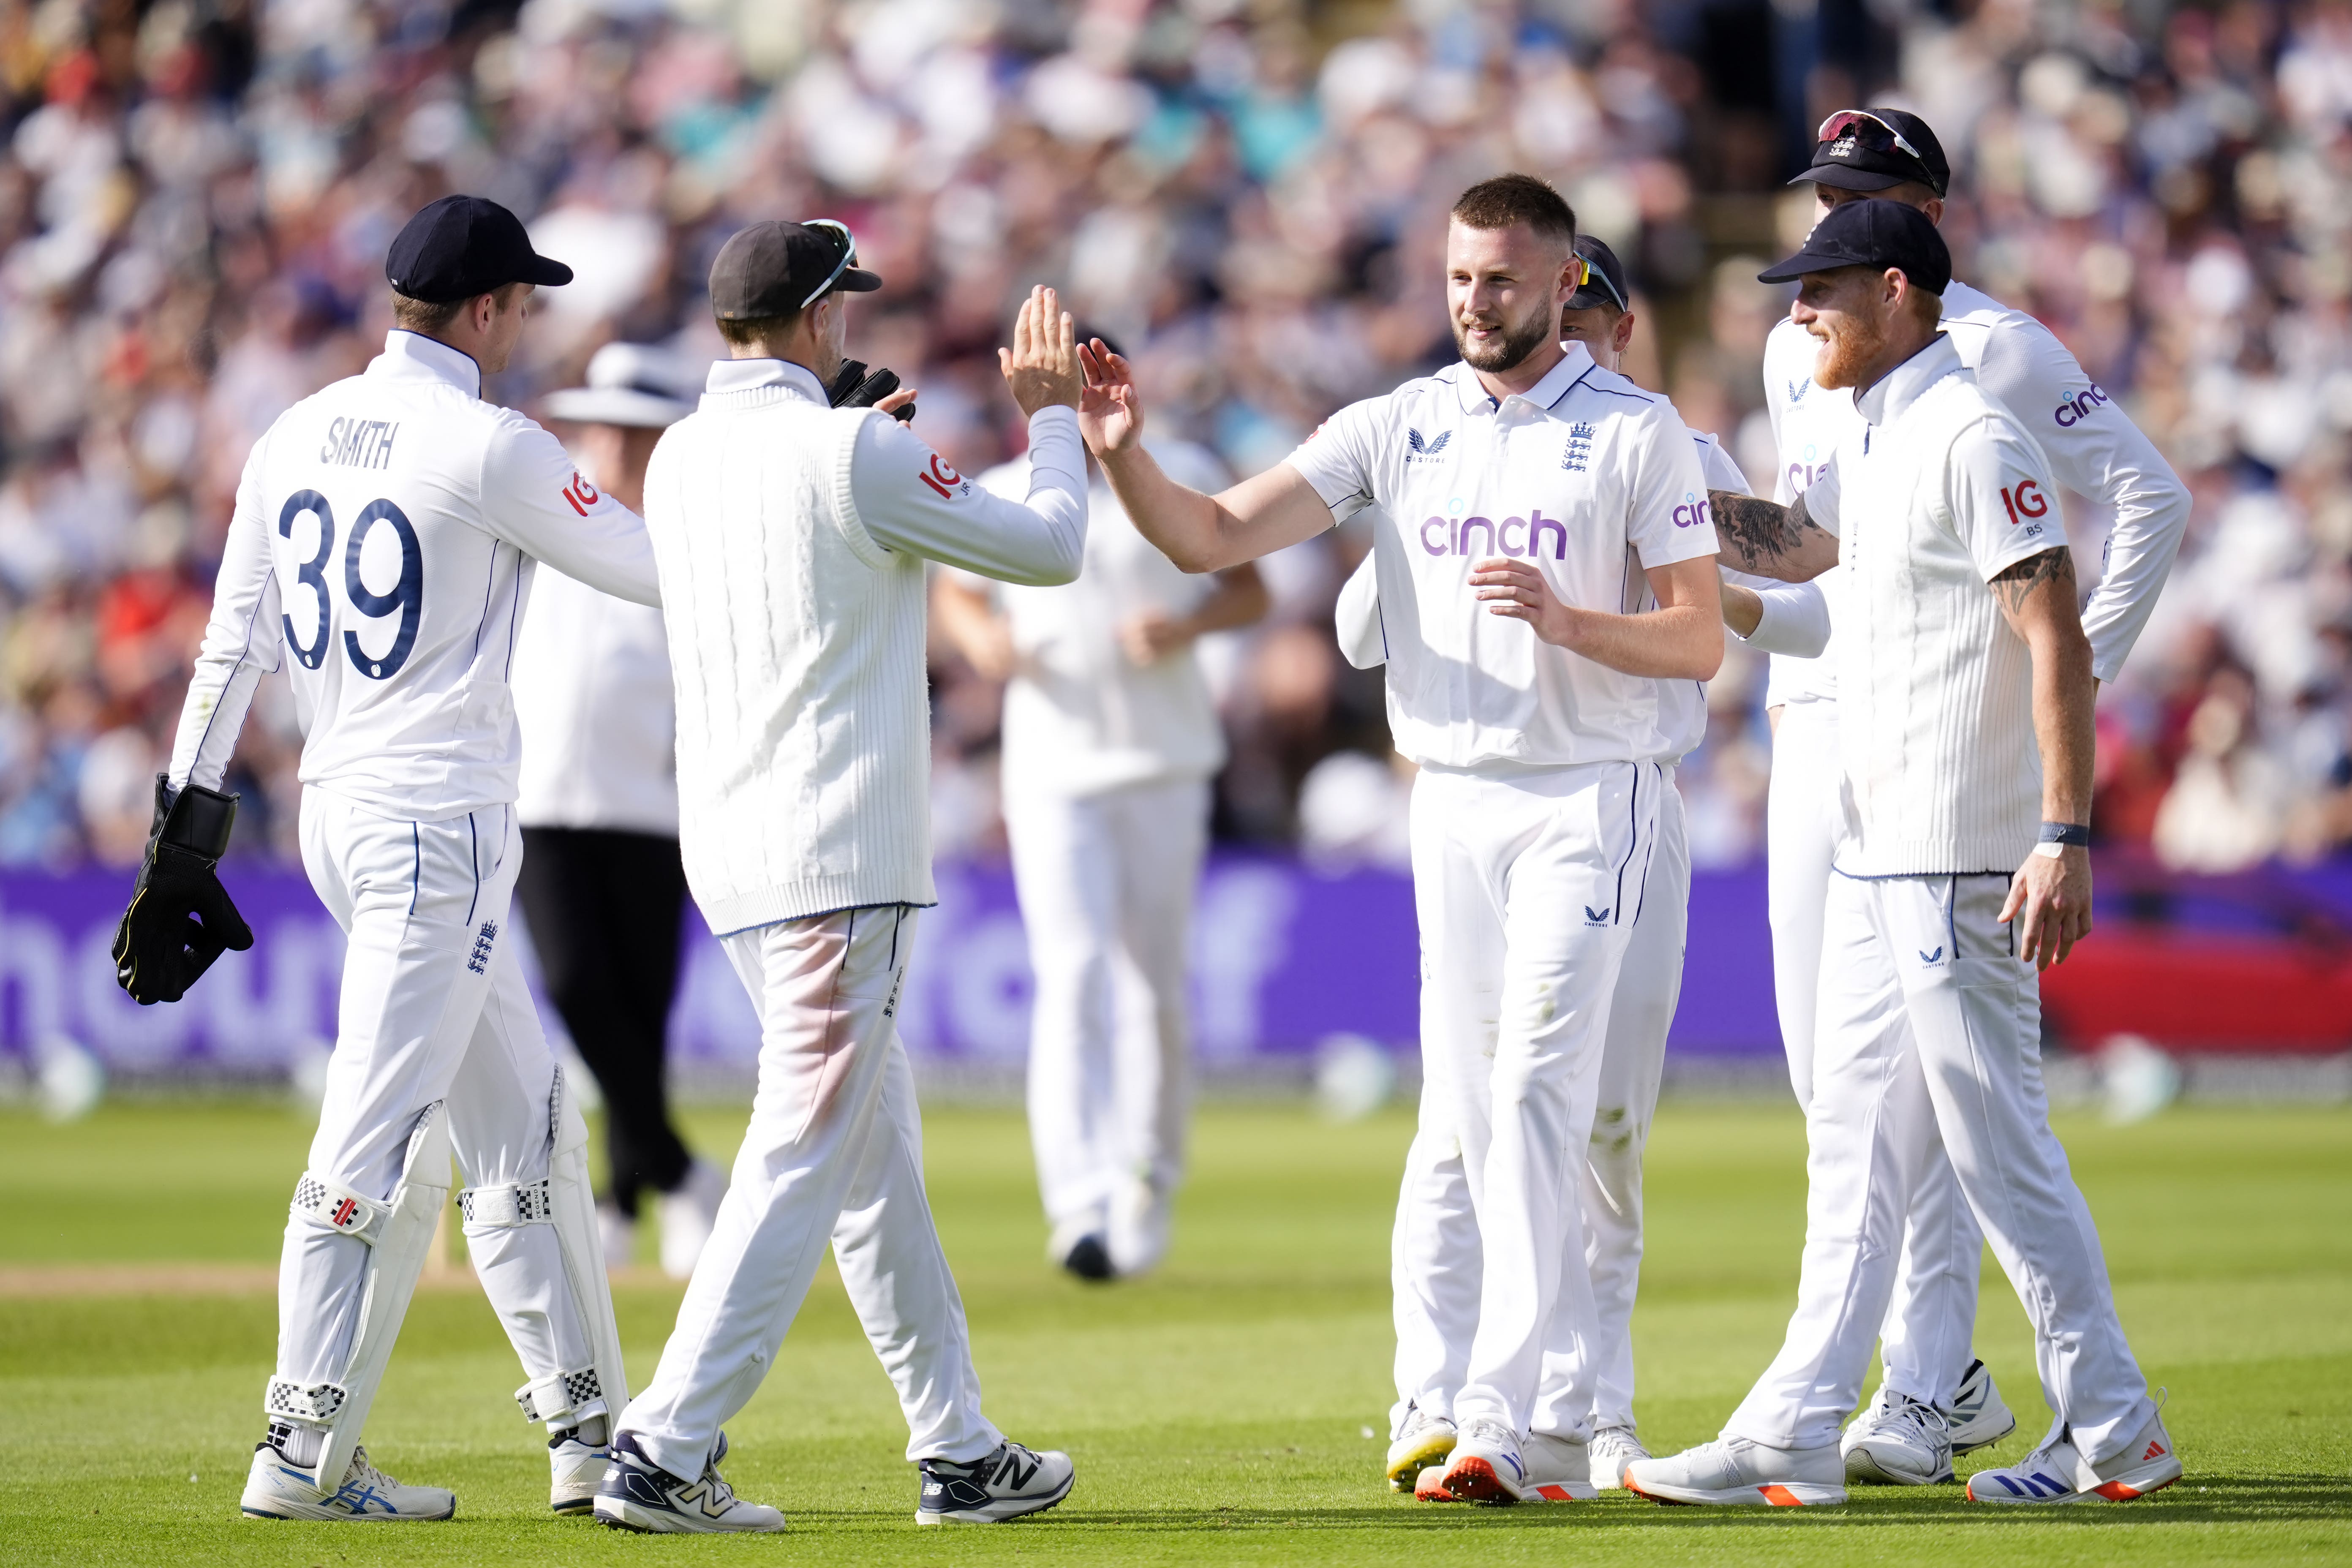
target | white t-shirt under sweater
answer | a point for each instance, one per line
(790, 537)
(1080, 716)
(2093, 449)
(1943, 491)
(1573, 475)
(599, 722)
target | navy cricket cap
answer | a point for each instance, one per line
(1874, 233)
(1604, 277)
(1877, 150)
(463, 245)
(781, 269)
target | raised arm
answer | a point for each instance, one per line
(2051, 897)
(1198, 532)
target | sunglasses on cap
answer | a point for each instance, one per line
(1592, 275)
(848, 255)
(1870, 132)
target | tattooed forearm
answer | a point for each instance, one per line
(1771, 540)
(2015, 583)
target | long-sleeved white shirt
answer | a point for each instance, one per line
(384, 535)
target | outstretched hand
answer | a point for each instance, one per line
(1110, 413)
(1041, 366)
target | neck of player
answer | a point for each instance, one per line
(1520, 377)
(1906, 336)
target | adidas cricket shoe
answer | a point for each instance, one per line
(637, 1494)
(1486, 1465)
(1611, 1450)
(578, 1468)
(1897, 1441)
(1430, 1486)
(1422, 1441)
(2058, 1472)
(1559, 1470)
(1979, 1418)
(274, 1488)
(1736, 1471)
(1006, 1484)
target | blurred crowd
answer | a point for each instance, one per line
(195, 196)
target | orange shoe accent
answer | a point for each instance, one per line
(2155, 1451)
(1431, 1487)
(1779, 1496)
(1555, 1494)
(2115, 1491)
(1473, 1480)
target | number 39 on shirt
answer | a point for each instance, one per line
(406, 599)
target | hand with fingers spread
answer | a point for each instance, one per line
(1516, 589)
(1110, 414)
(2049, 906)
(1041, 366)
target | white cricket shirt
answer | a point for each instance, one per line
(591, 687)
(2093, 448)
(385, 537)
(1943, 491)
(1587, 475)
(1080, 716)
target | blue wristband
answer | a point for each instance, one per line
(2072, 834)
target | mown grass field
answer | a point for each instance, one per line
(1224, 1411)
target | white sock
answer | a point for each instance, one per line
(592, 1431)
(300, 1444)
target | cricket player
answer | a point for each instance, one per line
(1964, 698)
(1526, 501)
(2095, 450)
(385, 536)
(790, 537)
(1436, 1243)
(1110, 741)
(602, 884)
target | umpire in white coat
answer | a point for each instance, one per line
(790, 537)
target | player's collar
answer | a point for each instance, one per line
(414, 357)
(1899, 388)
(751, 374)
(1572, 367)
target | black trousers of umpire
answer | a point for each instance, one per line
(604, 909)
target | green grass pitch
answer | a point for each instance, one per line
(1224, 1411)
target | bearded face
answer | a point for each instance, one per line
(1490, 342)
(1847, 315)
(1504, 289)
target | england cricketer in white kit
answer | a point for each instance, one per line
(1510, 487)
(792, 538)
(386, 535)
(1965, 715)
(2093, 450)
(1436, 1250)
(1110, 738)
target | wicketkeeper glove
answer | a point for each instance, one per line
(852, 388)
(180, 917)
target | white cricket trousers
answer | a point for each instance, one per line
(434, 1007)
(1528, 889)
(1931, 1321)
(1436, 1257)
(834, 1154)
(1928, 1022)
(1107, 884)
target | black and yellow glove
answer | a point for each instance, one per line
(180, 917)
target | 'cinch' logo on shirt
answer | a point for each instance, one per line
(1513, 536)
(1692, 512)
(2075, 409)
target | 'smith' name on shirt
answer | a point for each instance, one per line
(360, 442)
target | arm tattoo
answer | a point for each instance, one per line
(1755, 531)
(2015, 583)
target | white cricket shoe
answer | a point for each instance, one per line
(274, 1488)
(1613, 1449)
(1141, 1220)
(2058, 1472)
(1978, 1419)
(1006, 1484)
(617, 1233)
(1736, 1471)
(637, 1494)
(1897, 1441)
(578, 1468)
(1559, 1470)
(1424, 1440)
(1486, 1465)
(687, 1212)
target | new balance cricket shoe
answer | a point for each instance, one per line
(1422, 1441)
(577, 1468)
(1611, 1450)
(274, 1488)
(1430, 1486)
(1006, 1484)
(1738, 1472)
(1486, 1465)
(2059, 1472)
(1897, 1441)
(1559, 1470)
(1978, 1419)
(637, 1494)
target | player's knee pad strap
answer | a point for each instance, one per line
(316, 1403)
(328, 1203)
(499, 1207)
(562, 1398)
